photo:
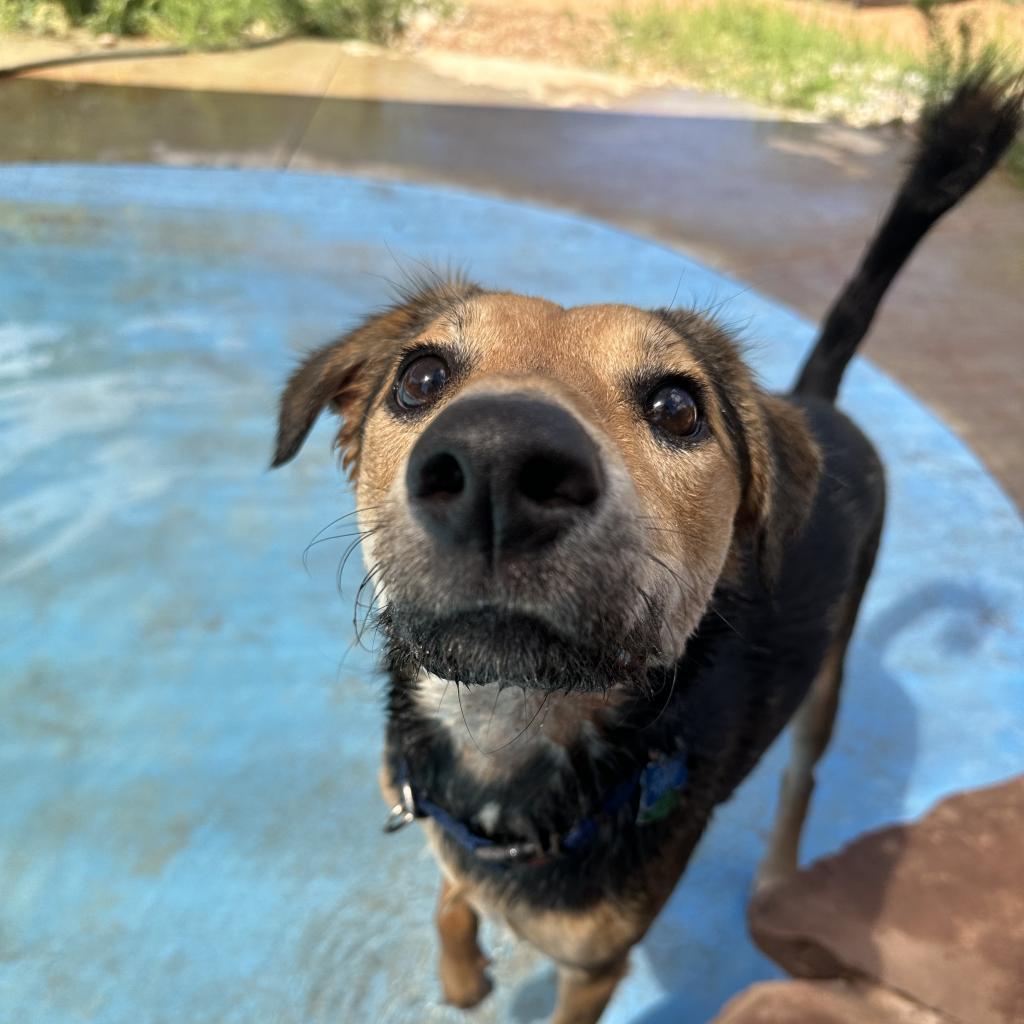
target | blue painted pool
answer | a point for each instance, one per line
(189, 820)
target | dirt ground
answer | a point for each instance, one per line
(579, 32)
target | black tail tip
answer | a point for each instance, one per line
(971, 119)
(966, 128)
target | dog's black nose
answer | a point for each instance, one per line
(502, 474)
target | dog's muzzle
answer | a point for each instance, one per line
(518, 564)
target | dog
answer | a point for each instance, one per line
(609, 569)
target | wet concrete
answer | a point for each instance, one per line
(189, 745)
(351, 69)
(786, 207)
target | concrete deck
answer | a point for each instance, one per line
(188, 751)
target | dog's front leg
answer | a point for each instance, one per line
(463, 966)
(584, 993)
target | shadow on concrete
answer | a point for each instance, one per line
(535, 999)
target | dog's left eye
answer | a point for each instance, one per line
(671, 408)
(421, 382)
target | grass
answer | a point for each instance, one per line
(787, 56)
(1015, 162)
(202, 23)
(768, 53)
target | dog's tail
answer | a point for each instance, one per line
(960, 140)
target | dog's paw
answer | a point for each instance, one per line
(465, 984)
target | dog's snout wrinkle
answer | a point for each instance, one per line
(503, 474)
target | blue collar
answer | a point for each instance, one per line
(660, 783)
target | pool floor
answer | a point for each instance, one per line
(188, 756)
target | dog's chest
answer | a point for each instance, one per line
(495, 732)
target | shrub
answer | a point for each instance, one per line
(223, 22)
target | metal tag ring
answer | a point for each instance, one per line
(403, 813)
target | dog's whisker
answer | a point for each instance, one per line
(358, 630)
(687, 589)
(525, 729)
(318, 537)
(719, 615)
(370, 607)
(360, 535)
(371, 620)
(444, 693)
(347, 515)
(359, 607)
(494, 707)
(465, 722)
(668, 699)
(348, 554)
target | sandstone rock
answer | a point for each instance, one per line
(934, 909)
(821, 1002)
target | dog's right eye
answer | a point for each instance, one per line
(673, 410)
(421, 382)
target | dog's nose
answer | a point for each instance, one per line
(503, 474)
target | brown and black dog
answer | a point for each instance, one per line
(609, 569)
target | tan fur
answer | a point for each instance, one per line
(462, 966)
(583, 995)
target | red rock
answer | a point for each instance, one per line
(934, 909)
(820, 1002)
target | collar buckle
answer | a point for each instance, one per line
(404, 812)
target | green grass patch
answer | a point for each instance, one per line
(769, 54)
(202, 23)
(762, 51)
(1015, 161)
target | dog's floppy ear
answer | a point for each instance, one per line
(344, 374)
(785, 468)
